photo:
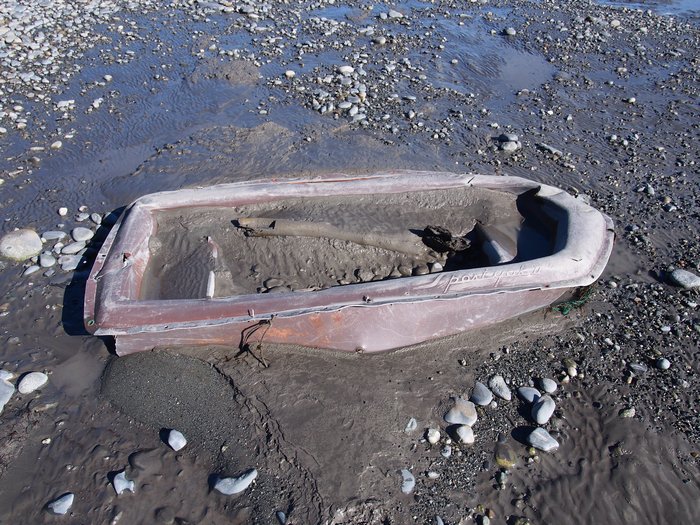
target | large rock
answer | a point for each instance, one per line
(20, 245)
(684, 279)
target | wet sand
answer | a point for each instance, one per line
(604, 103)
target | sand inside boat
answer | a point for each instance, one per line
(197, 252)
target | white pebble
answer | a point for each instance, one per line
(121, 484)
(290, 74)
(63, 211)
(542, 440)
(408, 482)
(6, 391)
(176, 440)
(411, 425)
(57, 145)
(432, 435)
(31, 382)
(548, 385)
(663, 364)
(498, 386)
(463, 413)
(230, 486)
(465, 434)
(61, 505)
(82, 234)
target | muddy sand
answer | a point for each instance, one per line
(103, 104)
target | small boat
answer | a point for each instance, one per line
(349, 263)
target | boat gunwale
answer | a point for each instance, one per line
(588, 245)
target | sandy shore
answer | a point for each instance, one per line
(102, 103)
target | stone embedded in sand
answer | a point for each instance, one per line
(465, 434)
(176, 440)
(46, 260)
(542, 440)
(31, 382)
(346, 70)
(548, 385)
(408, 482)
(463, 413)
(663, 364)
(20, 245)
(432, 435)
(505, 456)
(6, 391)
(446, 451)
(230, 486)
(32, 269)
(528, 394)
(393, 13)
(684, 279)
(53, 235)
(61, 505)
(411, 425)
(498, 386)
(543, 409)
(82, 234)
(481, 395)
(121, 484)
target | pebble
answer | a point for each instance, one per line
(510, 31)
(176, 440)
(446, 451)
(53, 235)
(684, 279)
(121, 484)
(96, 218)
(346, 70)
(543, 409)
(82, 234)
(438, 521)
(421, 269)
(32, 269)
(63, 211)
(281, 517)
(432, 435)
(411, 425)
(230, 486)
(463, 413)
(6, 375)
(31, 382)
(46, 260)
(290, 73)
(20, 245)
(663, 364)
(73, 248)
(57, 145)
(528, 394)
(393, 13)
(6, 391)
(498, 386)
(481, 395)
(627, 412)
(465, 434)
(408, 482)
(69, 262)
(509, 147)
(61, 505)
(542, 440)
(505, 456)
(548, 385)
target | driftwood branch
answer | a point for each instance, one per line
(407, 243)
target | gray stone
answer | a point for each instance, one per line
(684, 279)
(54, 235)
(663, 364)
(543, 409)
(542, 440)
(82, 234)
(548, 385)
(395, 14)
(481, 395)
(20, 245)
(411, 425)
(73, 248)
(46, 260)
(230, 486)
(32, 269)
(463, 413)
(528, 394)
(498, 386)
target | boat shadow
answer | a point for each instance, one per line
(74, 295)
